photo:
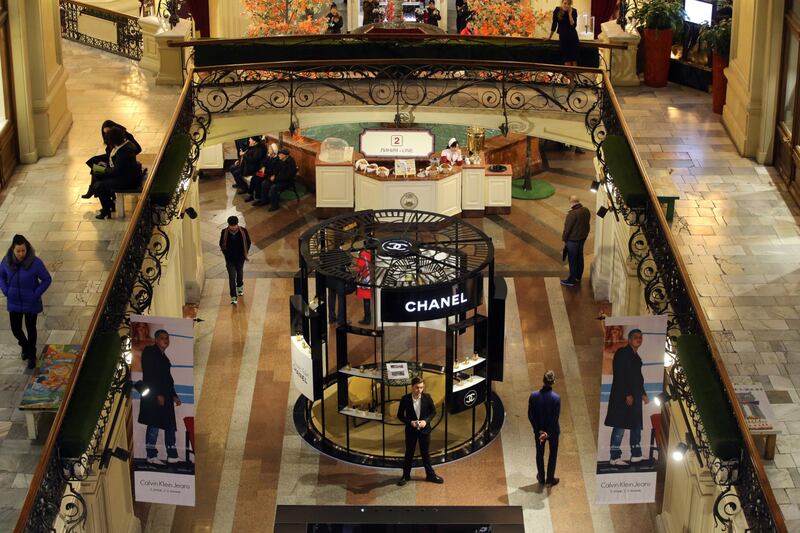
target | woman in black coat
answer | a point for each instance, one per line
(102, 159)
(565, 20)
(626, 398)
(123, 172)
(335, 20)
(157, 408)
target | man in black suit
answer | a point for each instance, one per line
(416, 411)
(544, 408)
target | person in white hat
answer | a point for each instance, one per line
(452, 154)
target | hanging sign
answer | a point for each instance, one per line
(397, 144)
(302, 367)
(409, 304)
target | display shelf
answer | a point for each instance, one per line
(464, 384)
(368, 373)
(460, 366)
(369, 415)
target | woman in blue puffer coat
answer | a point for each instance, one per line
(23, 280)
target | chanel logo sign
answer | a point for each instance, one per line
(396, 248)
(470, 397)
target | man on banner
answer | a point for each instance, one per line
(625, 400)
(157, 409)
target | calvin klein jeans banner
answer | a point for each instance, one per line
(410, 304)
(632, 376)
(163, 409)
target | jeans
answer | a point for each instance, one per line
(28, 343)
(367, 312)
(551, 460)
(575, 258)
(273, 192)
(151, 437)
(635, 440)
(235, 275)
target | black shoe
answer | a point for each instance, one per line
(88, 195)
(103, 214)
(241, 191)
(260, 203)
(273, 208)
(552, 482)
(568, 282)
(403, 480)
(249, 198)
(540, 479)
(31, 362)
(433, 478)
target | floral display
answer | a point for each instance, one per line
(285, 17)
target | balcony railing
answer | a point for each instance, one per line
(107, 30)
(505, 87)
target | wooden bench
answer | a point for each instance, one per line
(147, 162)
(759, 415)
(45, 389)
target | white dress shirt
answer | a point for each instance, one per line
(417, 404)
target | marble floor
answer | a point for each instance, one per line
(738, 232)
(77, 249)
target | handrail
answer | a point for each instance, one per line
(701, 318)
(284, 39)
(406, 61)
(49, 445)
(104, 10)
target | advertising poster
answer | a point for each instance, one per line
(302, 367)
(632, 376)
(163, 418)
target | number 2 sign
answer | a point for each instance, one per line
(397, 140)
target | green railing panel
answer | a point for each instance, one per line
(619, 158)
(353, 48)
(169, 170)
(97, 372)
(709, 396)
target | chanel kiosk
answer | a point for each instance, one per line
(436, 310)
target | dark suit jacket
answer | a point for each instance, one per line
(285, 171)
(157, 375)
(544, 408)
(627, 381)
(427, 410)
(127, 172)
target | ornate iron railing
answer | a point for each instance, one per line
(128, 42)
(669, 290)
(54, 490)
(405, 85)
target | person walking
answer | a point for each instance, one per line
(626, 399)
(157, 409)
(544, 408)
(23, 280)
(576, 230)
(416, 411)
(234, 241)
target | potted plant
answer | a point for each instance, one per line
(718, 39)
(657, 20)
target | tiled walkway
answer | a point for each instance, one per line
(739, 236)
(43, 203)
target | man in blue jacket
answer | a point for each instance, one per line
(544, 408)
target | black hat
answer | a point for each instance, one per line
(283, 151)
(233, 220)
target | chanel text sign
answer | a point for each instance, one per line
(393, 143)
(410, 304)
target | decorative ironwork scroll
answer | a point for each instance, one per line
(129, 34)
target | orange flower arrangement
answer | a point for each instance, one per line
(512, 18)
(285, 17)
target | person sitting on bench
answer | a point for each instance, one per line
(283, 179)
(102, 159)
(123, 172)
(267, 169)
(250, 160)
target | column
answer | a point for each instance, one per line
(227, 19)
(194, 273)
(45, 71)
(750, 110)
(158, 57)
(23, 96)
(621, 63)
